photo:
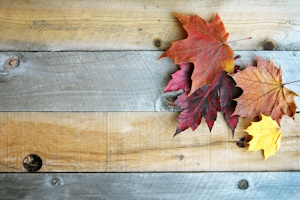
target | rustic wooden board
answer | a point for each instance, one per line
(136, 25)
(190, 186)
(80, 81)
(105, 81)
(134, 141)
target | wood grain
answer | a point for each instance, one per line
(163, 186)
(136, 25)
(133, 142)
(105, 81)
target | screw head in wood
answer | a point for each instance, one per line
(243, 184)
(55, 181)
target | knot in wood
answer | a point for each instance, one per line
(11, 63)
(157, 42)
(269, 45)
(241, 143)
(32, 163)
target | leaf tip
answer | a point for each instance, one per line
(232, 131)
(176, 132)
(217, 16)
(162, 56)
(177, 15)
(210, 125)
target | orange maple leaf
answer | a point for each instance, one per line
(205, 47)
(263, 92)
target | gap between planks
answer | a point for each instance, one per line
(139, 25)
(135, 142)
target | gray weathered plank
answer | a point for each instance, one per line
(192, 186)
(104, 81)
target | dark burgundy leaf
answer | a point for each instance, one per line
(206, 101)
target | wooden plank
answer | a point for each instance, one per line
(104, 81)
(166, 186)
(134, 141)
(136, 25)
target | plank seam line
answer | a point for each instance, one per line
(137, 50)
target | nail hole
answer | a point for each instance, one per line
(243, 184)
(32, 163)
(157, 42)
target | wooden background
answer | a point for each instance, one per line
(128, 126)
(81, 87)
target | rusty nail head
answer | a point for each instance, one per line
(243, 184)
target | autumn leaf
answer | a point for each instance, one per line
(205, 47)
(181, 78)
(263, 92)
(206, 101)
(266, 136)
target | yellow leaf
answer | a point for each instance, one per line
(266, 136)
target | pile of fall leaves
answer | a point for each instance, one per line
(212, 83)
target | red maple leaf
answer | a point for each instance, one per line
(206, 101)
(205, 47)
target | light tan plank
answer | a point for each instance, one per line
(65, 141)
(136, 25)
(105, 81)
(136, 141)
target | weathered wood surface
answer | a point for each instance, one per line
(105, 81)
(134, 141)
(167, 186)
(135, 25)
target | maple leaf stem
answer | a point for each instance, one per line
(291, 82)
(237, 57)
(249, 38)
